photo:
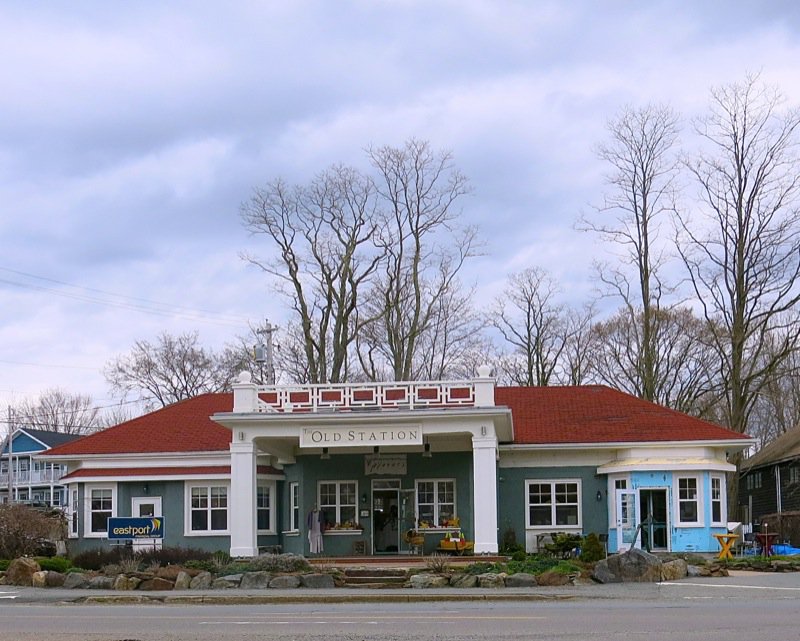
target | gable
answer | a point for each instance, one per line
(23, 443)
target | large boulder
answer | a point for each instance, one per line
(551, 578)
(76, 580)
(39, 579)
(429, 581)
(521, 580)
(21, 571)
(285, 582)
(463, 580)
(633, 566)
(101, 583)
(125, 583)
(55, 579)
(674, 570)
(491, 580)
(156, 584)
(319, 580)
(228, 581)
(202, 581)
(183, 580)
(255, 580)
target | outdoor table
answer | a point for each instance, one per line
(725, 542)
(766, 539)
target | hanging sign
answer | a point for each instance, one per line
(392, 464)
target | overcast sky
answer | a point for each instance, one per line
(130, 133)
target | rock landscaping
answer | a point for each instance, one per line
(631, 566)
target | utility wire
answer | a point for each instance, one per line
(132, 303)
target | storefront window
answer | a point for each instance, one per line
(337, 501)
(264, 507)
(209, 509)
(436, 503)
(553, 503)
(101, 508)
(688, 501)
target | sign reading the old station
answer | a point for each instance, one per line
(360, 436)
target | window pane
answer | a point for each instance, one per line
(716, 511)
(263, 520)
(540, 515)
(330, 515)
(100, 521)
(425, 492)
(566, 515)
(347, 492)
(199, 497)
(262, 497)
(426, 514)
(348, 513)
(199, 520)
(219, 497)
(688, 511)
(219, 519)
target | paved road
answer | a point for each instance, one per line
(763, 607)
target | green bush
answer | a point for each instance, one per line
(4, 564)
(54, 563)
(519, 555)
(533, 564)
(563, 544)
(482, 567)
(591, 549)
(279, 563)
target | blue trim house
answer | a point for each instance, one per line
(388, 468)
(32, 481)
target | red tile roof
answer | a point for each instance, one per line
(598, 414)
(181, 427)
(541, 415)
(155, 472)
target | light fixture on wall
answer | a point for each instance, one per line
(426, 452)
(364, 497)
(376, 450)
(599, 496)
(146, 488)
(325, 454)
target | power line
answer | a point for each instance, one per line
(44, 365)
(132, 303)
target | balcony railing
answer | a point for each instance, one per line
(374, 396)
(32, 477)
(346, 397)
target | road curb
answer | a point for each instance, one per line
(209, 599)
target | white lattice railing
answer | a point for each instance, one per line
(374, 396)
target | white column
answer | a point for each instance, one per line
(484, 387)
(484, 499)
(243, 499)
(245, 394)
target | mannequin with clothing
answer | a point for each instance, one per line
(315, 522)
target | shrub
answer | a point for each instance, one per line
(519, 555)
(563, 544)
(206, 566)
(26, 531)
(4, 563)
(172, 555)
(96, 558)
(482, 567)
(510, 545)
(279, 563)
(54, 564)
(437, 563)
(533, 564)
(591, 549)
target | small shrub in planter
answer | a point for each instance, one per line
(172, 555)
(54, 564)
(591, 549)
(519, 555)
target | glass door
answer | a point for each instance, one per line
(653, 508)
(627, 520)
(386, 517)
(146, 506)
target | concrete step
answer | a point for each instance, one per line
(375, 572)
(364, 580)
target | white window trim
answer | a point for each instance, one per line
(611, 496)
(338, 503)
(87, 508)
(294, 506)
(436, 482)
(187, 507)
(676, 500)
(554, 526)
(723, 491)
(72, 496)
(272, 516)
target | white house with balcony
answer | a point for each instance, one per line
(25, 479)
(401, 467)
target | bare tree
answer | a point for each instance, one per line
(173, 368)
(425, 251)
(741, 245)
(641, 181)
(577, 357)
(530, 319)
(325, 235)
(685, 365)
(57, 410)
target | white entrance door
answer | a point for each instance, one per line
(145, 506)
(627, 519)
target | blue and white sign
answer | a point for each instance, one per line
(136, 527)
